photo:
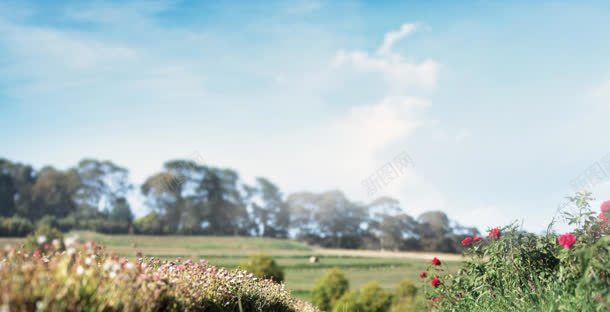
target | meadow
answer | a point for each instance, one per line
(359, 266)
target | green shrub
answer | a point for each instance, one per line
(263, 266)
(348, 302)
(519, 271)
(15, 227)
(371, 298)
(150, 224)
(327, 290)
(374, 299)
(406, 289)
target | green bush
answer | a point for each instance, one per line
(150, 224)
(348, 302)
(371, 298)
(514, 270)
(327, 290)
(15, 227)
(263, 266)
(406, 298)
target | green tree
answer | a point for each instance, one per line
(121, 211)
(327, 290)
(53, 192)
(263, 266)
(269, 213)
(103, 185)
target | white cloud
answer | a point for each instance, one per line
(397, 72)
(392, 37)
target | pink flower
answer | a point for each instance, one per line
(605, 207)
(435, 299)
(567, 240)
(477, 238)
(495, 233)
(423, 274)
(436, 261)
(602, 217)
(467, 241)
(435, 282)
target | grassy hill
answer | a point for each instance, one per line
(359, 266)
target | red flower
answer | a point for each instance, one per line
(494, 233)
(46, 246)
(467, 241)
(436, 261)
(567, 240)
(435, 299)
(423, 274)
(477, 238)
(602, 217)
(605, 207)
(435, 282)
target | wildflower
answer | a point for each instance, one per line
(435, 282)
(477, 238)
(605, 207)
(436, 261)
(56, 243)
(423, 274)
(494, 233)
(41, 239)
(80, 270)
(467, 241)
(435, 299)
(567, 240)
(46, 246)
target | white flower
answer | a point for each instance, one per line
(70, 241)
(130, 266)
(88, 261)
(112, 274)
(71, 251)
(80, 270)
(56, 243)
(41, 239)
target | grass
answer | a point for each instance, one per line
(293, 256)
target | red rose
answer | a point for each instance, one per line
(436, 261)
(477, 238)
(602, 217)
(435, 282)
(467, 241)
(423, 274)
(567, 240)
(605, 207)
(494, 233)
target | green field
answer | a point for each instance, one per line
(386, 268)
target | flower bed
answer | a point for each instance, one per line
(66, 276)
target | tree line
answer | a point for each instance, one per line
(189, 198)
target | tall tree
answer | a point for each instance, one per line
(327, 218)
(269, 213)
(7, 195)
(22, 180)
(53, 192)
(103, 185)
(226, 211)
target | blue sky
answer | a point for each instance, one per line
(501, 106)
